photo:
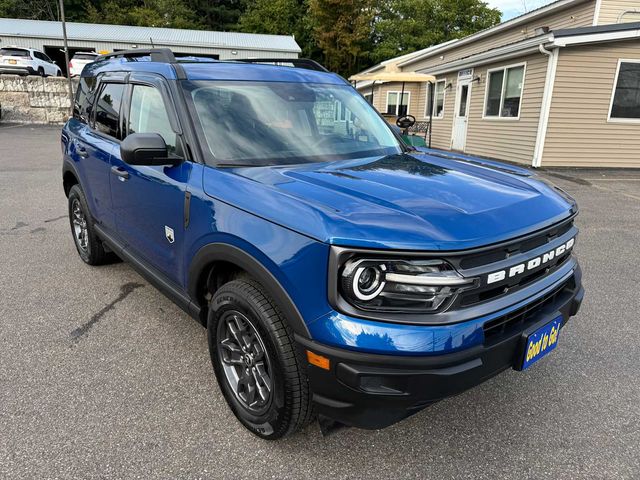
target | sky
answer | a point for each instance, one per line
(513, 8)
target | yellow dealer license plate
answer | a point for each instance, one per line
(541, 342)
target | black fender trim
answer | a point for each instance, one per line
(69, 167)
(229, 253)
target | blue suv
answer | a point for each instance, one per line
(341, 274)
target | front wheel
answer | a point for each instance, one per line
(255, 360)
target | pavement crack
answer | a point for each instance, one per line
(20, 225)
(125, 291)
(55, 219)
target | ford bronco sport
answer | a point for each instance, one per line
(341, 274)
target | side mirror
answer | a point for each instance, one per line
(146, 149)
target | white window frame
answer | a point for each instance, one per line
(444, 99)
(499, 117)
(408, 94)
(613, 94)
(366, 97)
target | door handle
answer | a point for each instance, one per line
(82, 151)
(120, 172)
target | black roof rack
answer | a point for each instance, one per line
(165, 55)
(157, 55)
(306, 63)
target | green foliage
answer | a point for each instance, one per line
(281, 17)
(31, 9)
(146, 13)
(404, 26)
(346, 35)
(342, 29)
(278, 17)
(219, 15)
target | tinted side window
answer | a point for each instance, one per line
(84, 98)
(108, 109)
(149, 115)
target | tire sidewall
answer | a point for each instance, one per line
(271, 424)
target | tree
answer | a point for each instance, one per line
(281, 17)
(146, 13)
(277, 17)
(343, 30)
(221, 15)
(404, 26)
(30, 9)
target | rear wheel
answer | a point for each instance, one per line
(257, 366)
(41, 72)
(87, 243)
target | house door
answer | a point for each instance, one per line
(461, 115)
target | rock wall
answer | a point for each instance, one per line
(34, 99)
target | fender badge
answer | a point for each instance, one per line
(168, 232)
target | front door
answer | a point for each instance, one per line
(148, 201)
(461, 114)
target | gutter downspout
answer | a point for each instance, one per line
(545, 108)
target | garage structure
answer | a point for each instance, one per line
(47, 36)
(558, 86)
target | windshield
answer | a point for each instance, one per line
(278, 123)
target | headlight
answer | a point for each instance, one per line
(399, 285)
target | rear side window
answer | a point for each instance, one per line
(108, 109)
(84, 99)
(148, 114)
(14, 52)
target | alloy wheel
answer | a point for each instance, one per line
(79, 221)
(245, 362)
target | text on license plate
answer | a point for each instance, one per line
(541, 342)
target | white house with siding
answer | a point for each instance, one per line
(558, 86)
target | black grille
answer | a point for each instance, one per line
(474, 296)
(526, 315)
(510, 249)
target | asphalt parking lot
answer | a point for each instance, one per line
(102, 376)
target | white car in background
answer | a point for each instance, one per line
(79, 60)
(27, 61)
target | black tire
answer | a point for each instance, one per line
(91, 251)
(289, 407)
(41, 72)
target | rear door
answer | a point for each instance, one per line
(94, 145)
(149, 201)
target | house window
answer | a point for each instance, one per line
(393, 105)
(438, 99)
(368, 97)
(625, 104)
(504, 92)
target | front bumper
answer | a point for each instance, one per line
(372, 391)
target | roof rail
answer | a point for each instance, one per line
(305, 63)
(157, 55)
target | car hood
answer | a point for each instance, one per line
(406, 201)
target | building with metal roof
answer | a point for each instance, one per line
(47, 36)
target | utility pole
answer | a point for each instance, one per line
(66, 55)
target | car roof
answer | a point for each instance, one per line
(215, 70)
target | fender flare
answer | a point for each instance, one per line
(68, 167)
(229, 253)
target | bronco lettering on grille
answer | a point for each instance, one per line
(531, 264)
